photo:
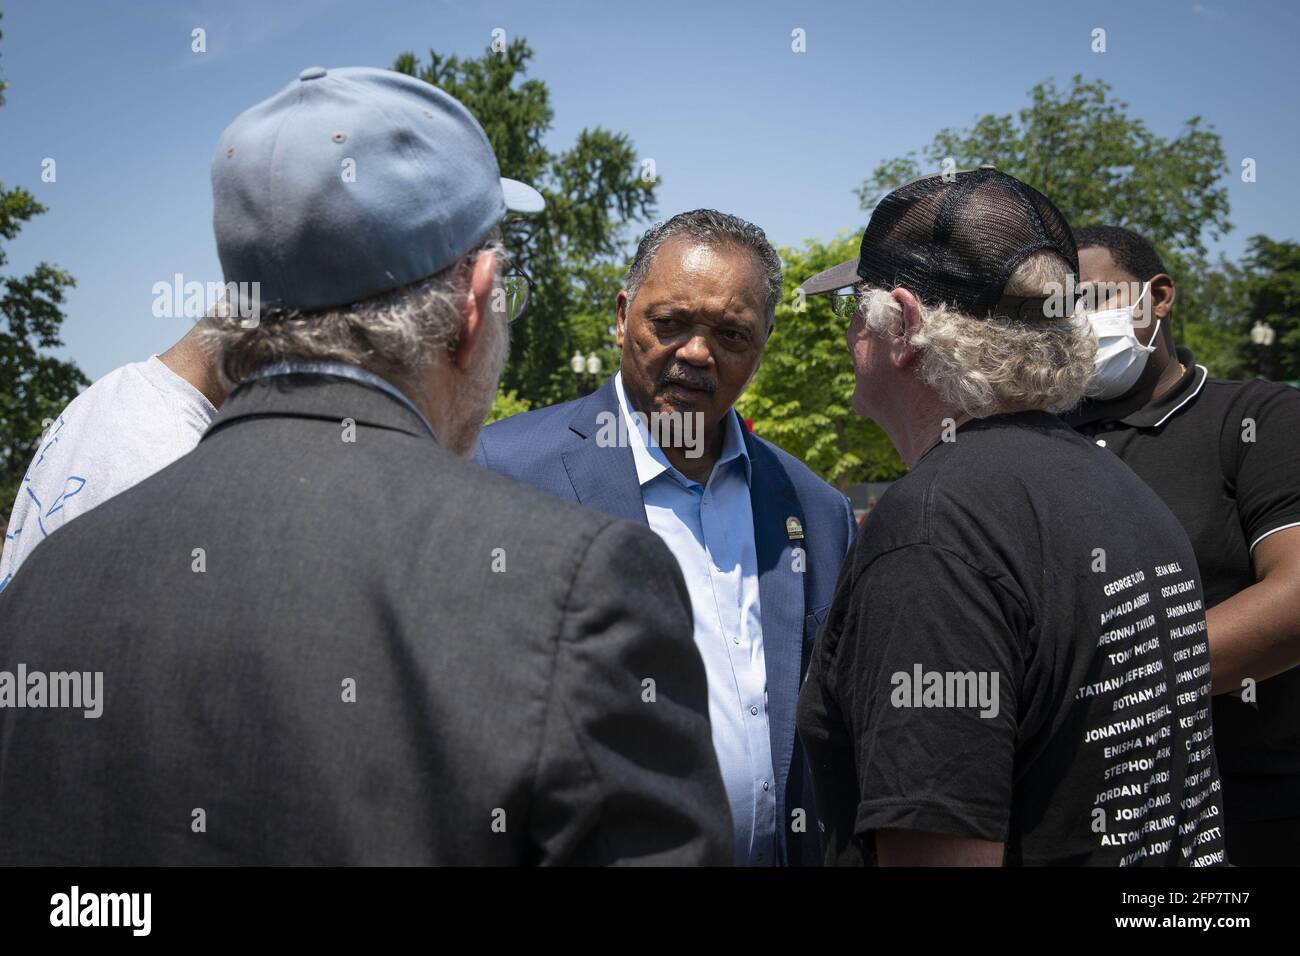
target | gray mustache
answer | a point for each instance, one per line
(672, 377)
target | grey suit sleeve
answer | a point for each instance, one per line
(627, 771)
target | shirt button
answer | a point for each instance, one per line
(736, 639)
(1101, 442)
(754, 711)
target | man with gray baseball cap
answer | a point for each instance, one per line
(324, 636)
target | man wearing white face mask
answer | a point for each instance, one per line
(1121, 354)
(1225, 458)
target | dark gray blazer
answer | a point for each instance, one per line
(554, 712)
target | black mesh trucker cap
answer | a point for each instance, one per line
(956, 240)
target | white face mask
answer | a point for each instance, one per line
(1120, 356)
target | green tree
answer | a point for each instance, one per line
(1082, 149)
(800, 398)
(1208, 316)
(575, 250)
(1268, 291)
(1099, 164)
(507, 403)
(34, 386)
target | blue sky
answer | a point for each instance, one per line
(710, 90)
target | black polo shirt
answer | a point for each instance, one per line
(1225, 457)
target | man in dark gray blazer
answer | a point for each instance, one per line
(324, 636)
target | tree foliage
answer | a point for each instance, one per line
(576, 249)
(800, 398)
(34, 386)
(1098, 163)
(1268, 288)
(1082, 148)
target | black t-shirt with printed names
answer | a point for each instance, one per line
(1225, 457)
(1016, 652)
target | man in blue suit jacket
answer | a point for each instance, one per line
(758, 536)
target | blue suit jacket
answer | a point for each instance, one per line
(555, 449)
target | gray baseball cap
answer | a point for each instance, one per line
(352, 182)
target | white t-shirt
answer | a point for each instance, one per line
(133, 422)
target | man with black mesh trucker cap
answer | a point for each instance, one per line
(1014, 668)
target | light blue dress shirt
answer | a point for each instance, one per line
(710, 531)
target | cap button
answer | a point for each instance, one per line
(987, 166)
(312, 73)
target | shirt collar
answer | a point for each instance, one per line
(1153, 413)
(650, 460)
(341, 370)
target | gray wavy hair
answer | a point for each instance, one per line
(716, 230)
(394, 334)
(990, 366)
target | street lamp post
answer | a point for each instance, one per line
(1263, 336)
(586, 371)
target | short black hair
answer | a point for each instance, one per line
(1131, 252)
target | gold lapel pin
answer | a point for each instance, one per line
(793, 529)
